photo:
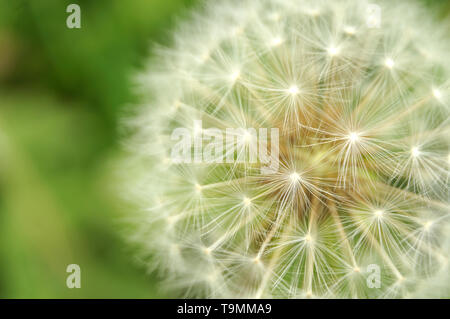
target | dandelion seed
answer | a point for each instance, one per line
(427, 225)
(275, 16)
(171, 220)
(205, 56)
(332, 51)
(313, 12)
(276, 41)
(237, 30)
(415, 151)
(198, 130)
(212, 277)
(308, 238)
(353, 137)
(350, 30)
(295, 177)
(437, 94)
(379, 213)
(247, 137)
(389, 63)
(293, 90)
(235, 75)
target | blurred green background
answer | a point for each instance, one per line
(61, 95)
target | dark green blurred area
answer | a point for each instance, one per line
(61, 94)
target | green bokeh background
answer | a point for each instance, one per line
(61, 95)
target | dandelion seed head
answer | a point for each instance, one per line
(362, 150)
